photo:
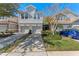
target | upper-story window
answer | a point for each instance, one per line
(22, 16)
(35, 16)
(38, 16)
(26, 16)
(30, 8)
(29, 16)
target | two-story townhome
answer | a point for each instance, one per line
(30, 19)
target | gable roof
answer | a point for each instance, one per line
(67, 12)
(31, 6)
(26, 11)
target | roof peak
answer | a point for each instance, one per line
(66, 11)
(31, 6)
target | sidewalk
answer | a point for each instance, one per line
(44, 53)
(63, 53)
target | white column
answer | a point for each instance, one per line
(28, 16)
(24, 15)
(20, 16)
(36, 16)
(19, 28)
(19, 19)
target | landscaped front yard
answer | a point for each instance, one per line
(57, 43)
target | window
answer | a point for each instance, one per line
(30, 8)
(22, 16)
(34, 16)
(38, 16)
(29, 16)
(26, 16)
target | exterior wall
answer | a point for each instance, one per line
(8, 24)
(75, 27)
(3, 28)
(13, 27)
(67, 26)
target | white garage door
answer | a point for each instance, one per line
(24, 29)
(3, 28)
(36, 29)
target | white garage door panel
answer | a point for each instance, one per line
(3, 28)
(36, 30)
(24, 29)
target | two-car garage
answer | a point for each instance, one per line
(33, 29)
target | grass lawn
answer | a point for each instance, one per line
(57, 43)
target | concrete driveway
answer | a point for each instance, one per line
(33, 45)
(8, 40)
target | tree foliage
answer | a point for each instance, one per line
(8, 9)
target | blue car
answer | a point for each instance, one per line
(70, 32)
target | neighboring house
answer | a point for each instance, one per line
(67, 18)
(8, 24)
(30, 19)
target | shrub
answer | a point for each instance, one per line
(56, 37)
(52, 39)
(46, 33)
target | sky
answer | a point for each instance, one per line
(74, 7)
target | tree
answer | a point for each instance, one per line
(8, 9)
(53, 20)
(53, 9)
(48, 20)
